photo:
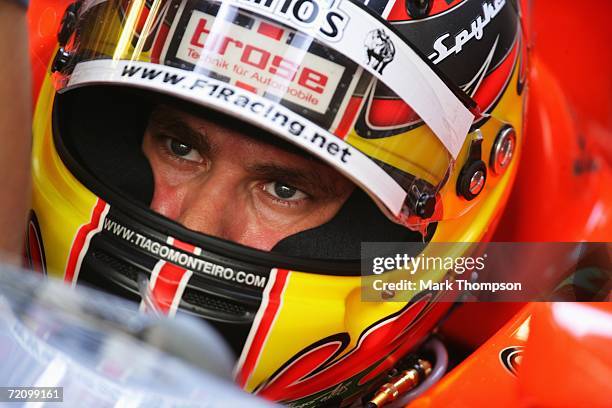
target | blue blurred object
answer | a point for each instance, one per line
(106, 354)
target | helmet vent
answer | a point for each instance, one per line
(121, 271)
(195, 301)
(203, 304)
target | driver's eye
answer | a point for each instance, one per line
(284, 191)
(183, 150)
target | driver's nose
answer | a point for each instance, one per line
(208, 203)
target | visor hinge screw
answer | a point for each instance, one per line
(503, 150)
(473, 175)
(61, 60)
(418, 9)
(68, 24)
(422, 199)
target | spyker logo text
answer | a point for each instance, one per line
(379, 49)
(443, 48)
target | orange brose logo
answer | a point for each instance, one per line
(262, 58)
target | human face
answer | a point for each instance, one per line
(216, 180)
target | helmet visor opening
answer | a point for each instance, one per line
(329, 224)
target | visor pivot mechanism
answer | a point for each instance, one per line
(65, 32)
(418, 9)
(421, 199)
(68, 24)
(61, 60)
(473, 175)
(503, 150)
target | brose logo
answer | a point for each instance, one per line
(260, 57)
(318, 17)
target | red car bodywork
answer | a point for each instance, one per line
(523, 354)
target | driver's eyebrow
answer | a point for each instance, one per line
(309, 180)
(168, 124)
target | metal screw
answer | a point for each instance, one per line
(62, 58)
(503, 150)
(418, 8)
(422, 199)
(477, 182)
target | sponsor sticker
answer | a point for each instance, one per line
(177, 262)
(475, 31)
(511, 357)
(379, 49)
(262, 57)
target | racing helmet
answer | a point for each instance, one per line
(419, 104)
